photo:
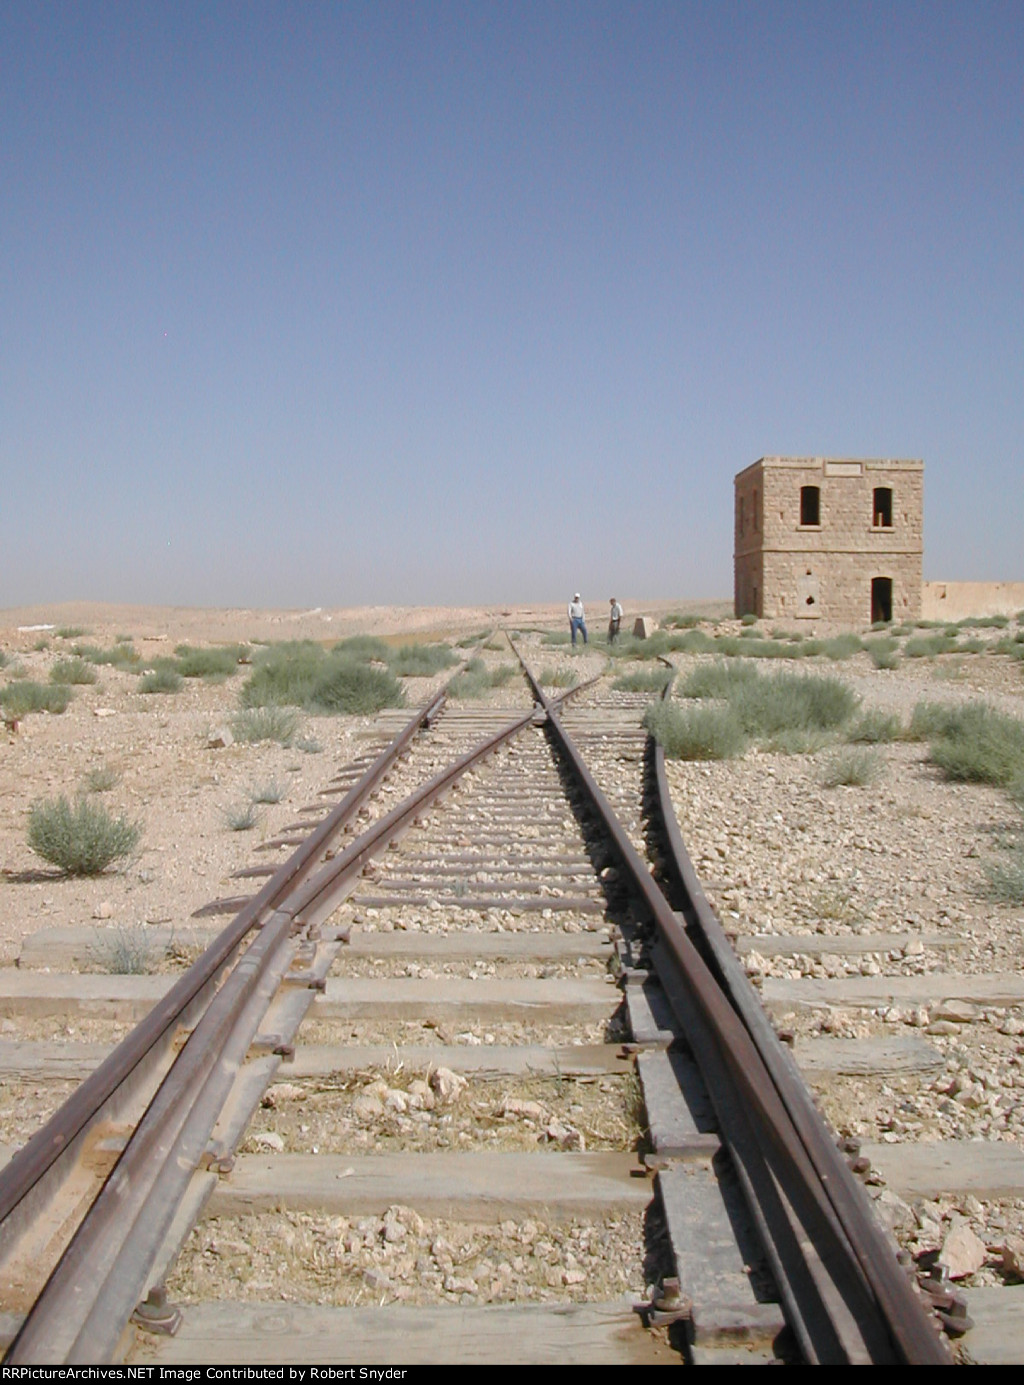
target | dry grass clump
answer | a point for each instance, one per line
(80, 838)
(123, 656)
(977, 744)
(1006, 877)
(875, 726)
(213, 664)
(852, 767)
(644, 680)
(70, 671)
(302, 674)
(696, 733)
(477, 680)
(255, 724)
(101, 779)
(164, 679)
(422, 660)
(559, 678)
(21, 698)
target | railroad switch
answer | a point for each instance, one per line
(156, 1314)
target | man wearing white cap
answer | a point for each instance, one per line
(577, 620)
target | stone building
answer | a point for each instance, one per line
(826, 538)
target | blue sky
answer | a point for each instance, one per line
(333, 304)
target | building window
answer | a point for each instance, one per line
(741, 514)
(881, 507)
(810, 505)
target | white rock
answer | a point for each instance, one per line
(447, 1084)
(269, 1139)
(962, 1252)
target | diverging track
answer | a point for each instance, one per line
(475, 1130)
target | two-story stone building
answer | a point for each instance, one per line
(828, 538)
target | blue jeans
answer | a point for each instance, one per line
(578, 623)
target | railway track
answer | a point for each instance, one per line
(458, 1076)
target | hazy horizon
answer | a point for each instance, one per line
(349, 304)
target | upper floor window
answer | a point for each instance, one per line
(810, 505)
(881, 507)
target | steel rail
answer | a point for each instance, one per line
(905, 1314)
(823, 1328)
(81, 1313)
(28, 1167)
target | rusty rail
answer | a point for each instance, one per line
(31, 1162)
(83, 1309)
(843, 1292)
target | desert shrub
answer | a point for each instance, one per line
(241, 817)
(270, 792)
(979, 745)
(798, 740)
(125, 952)
(1006, 877)
(883, 652)
(254, 724)
(717, 680)
(643, 680)
(165, 679)
(971, 646)
(733, 646)
(695, 733)
(928, 719)
(855, 767)
(792, 701)
(123, 656)
(748, 619)
(216, 663)
(874, 727)
(72, 671)
(101, 779)
(422, 660)
(357, 689)
(555, 637)
(363, 648)
(558, 678)
(686, 621)
(283, 674)
(80, 838)
(928, 646)
(841, 646)
(985, 622)
(309, 745)
(19, 699)
(70, 632)
(468, 641)
(477, 680)
(881, 624)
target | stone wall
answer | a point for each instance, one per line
(956, 600)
